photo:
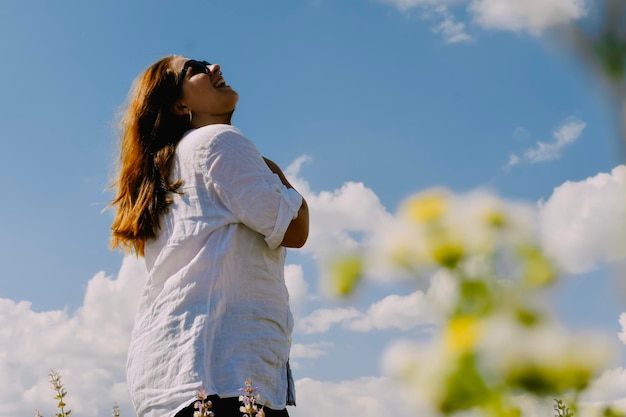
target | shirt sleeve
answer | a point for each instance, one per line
(249, 189)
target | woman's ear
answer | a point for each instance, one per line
(179, 108)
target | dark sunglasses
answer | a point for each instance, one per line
(196, 68)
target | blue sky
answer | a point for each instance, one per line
(367, 101)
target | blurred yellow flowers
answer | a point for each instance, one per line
(495, 341)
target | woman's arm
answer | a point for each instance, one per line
(298, 230)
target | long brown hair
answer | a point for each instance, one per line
(149, 134)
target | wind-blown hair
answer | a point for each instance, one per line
(148, 138)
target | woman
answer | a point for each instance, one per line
(212, 217)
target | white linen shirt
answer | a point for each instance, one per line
(215, 309)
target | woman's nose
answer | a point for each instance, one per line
(214, 68)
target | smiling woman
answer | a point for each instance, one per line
(212, 217)
(205, 96)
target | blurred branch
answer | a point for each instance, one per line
(601, 47)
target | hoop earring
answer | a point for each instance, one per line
(190, 116)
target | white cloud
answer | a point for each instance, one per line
(335, 214)
(608, 389)
(513, 160)
(365, 397)
(293, 170)
(401, 312)
(394, 311)
(622, 322)
(338, 222)
(582, 223)
(309, 351)
(297, 287)
(565, 135)
(609, 386)
(87, 347)
(321, 320)
(405, 5)
(452, 30)
(533, 16)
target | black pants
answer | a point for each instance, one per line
(228, 407)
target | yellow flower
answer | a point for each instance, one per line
(448, 254)
(345, 274)
(462, 334)
(538, 270)
(426, 207)
(495, 219)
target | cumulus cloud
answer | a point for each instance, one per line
(337, 221)
(608, 389)
(366, 397)
(622, 322)
(401, 312)
(309, 351)
(339, 225)
(609, 386)
(312, 350)
(297, 287)
(320, 321)
(582, 223)
(565, 135)
(87, 347)
(533, 16)
(394, 312)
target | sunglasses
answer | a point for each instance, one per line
(196, 68)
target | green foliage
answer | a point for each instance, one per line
(561, 409)
(465, 387)
(203, 406)
(612, 412)
(475, 298)
(611, 52)
(57, 386)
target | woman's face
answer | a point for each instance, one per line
(205, 94)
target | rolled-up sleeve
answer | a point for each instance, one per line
(249, 189)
